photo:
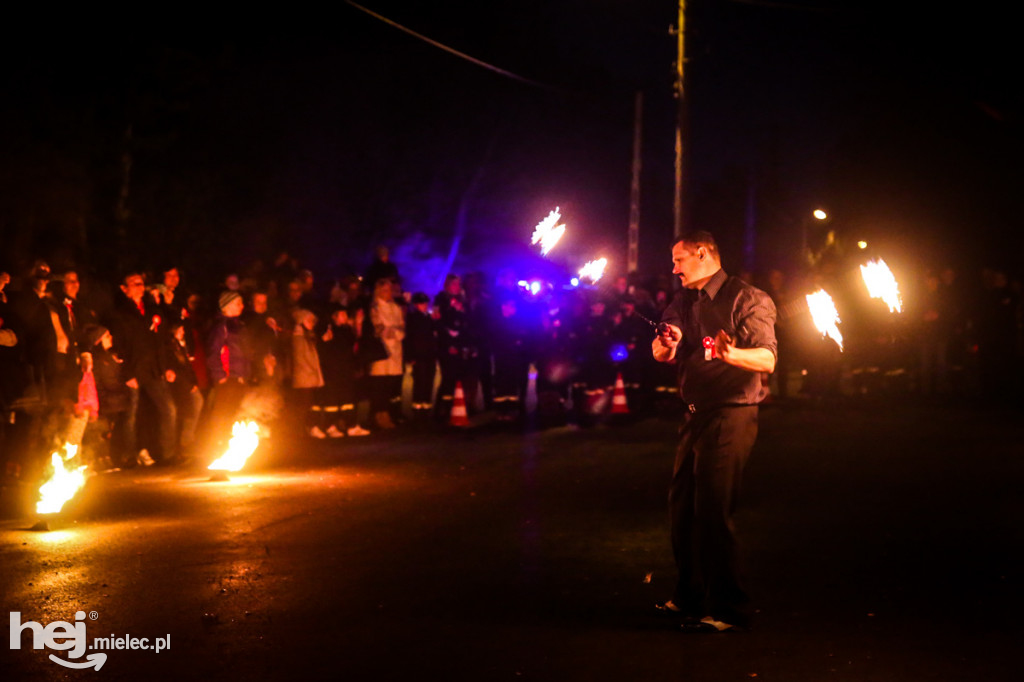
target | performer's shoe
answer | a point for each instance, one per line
(670, 609)
(333, 432)
(357, 431)
(711, 626)
(317, 432)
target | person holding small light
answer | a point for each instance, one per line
(720, 331)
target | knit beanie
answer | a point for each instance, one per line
(227, 297)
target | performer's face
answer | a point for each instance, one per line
(689, 265)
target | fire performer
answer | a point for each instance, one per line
(721, 333)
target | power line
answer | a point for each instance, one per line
(451, 50)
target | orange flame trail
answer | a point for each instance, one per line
(825, 316)
(881, 283)
(594, 270)
(548, 231)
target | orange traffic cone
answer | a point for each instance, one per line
(459, 416)
(619, 405)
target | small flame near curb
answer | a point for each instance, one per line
(63, 484)
(244, 440)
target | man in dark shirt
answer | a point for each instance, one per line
(720, 331)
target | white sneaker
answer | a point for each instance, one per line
(357, 431)
(317, 432)
(144, 459)
(333, 432)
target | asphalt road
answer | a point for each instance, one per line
(883, 543)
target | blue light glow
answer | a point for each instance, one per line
(619, 352)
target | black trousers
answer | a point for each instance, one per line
(423, 372)
(223, 402)
(712, 452)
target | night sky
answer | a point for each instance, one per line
(328, 132)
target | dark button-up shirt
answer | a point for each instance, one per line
(747, 314)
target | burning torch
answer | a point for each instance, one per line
(548, 231)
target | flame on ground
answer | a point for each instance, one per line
(244, 439)
(594, 270)
(63, 484)
(882, 284)
(825, 316)
(548, 231)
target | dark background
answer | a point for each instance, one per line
(326, 132)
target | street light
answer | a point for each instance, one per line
(818, 214)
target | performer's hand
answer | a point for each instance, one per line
(132, 383)
(723, 345)
(170, 376)
(670, 335)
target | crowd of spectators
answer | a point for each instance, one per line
(151, 370)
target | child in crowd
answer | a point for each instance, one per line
(307, 376)
(184, 385)
(103, 437)
(420, 351)
(337, 397)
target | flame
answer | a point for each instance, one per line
(825, 316)
(594, 270)
(64, 483)
(551, 238)
(882, 284)
(244, 439)
(548, 231)
(546, 225)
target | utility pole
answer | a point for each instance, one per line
(633, 255)
(679, 31)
